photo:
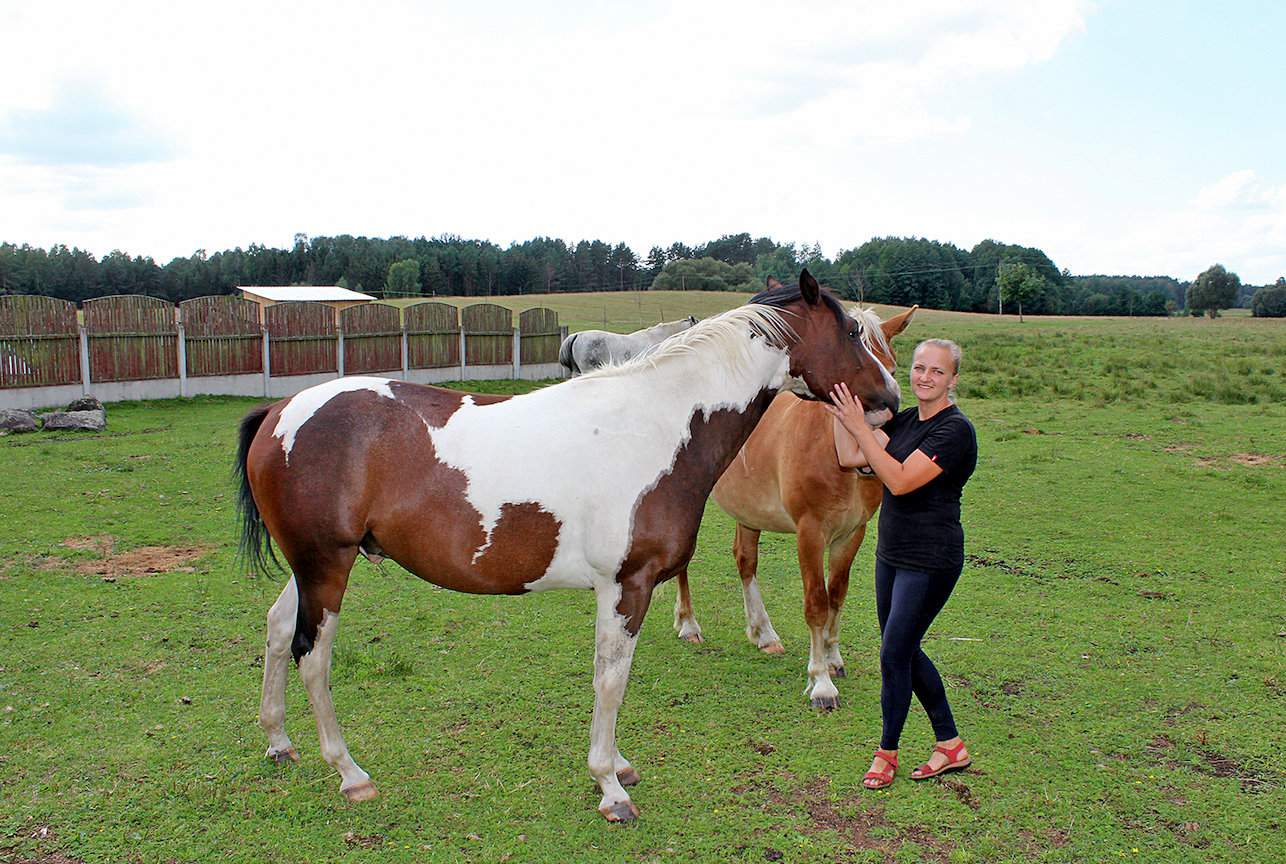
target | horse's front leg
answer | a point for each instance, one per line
(809, 542)
(840, 565)
(621, 607)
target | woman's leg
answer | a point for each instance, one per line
(913, 600)
(925, 680)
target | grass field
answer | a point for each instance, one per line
(1115, 651)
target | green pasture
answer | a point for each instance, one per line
(1115, 651)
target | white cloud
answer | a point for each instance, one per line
(656, 122)
(1238, 220)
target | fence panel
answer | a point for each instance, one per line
(539, 341)
(488, 334)
(39, 342)
(372, 338)
(301, 338)
(432, 335)
(223, 335)
(131, 338)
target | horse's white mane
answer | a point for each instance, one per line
(872, 332)
(727, 335)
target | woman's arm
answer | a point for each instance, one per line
(899, 477)
(846, 450)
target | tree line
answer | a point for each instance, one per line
(990, 277)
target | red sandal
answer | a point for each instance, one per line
(954, 763)
(883, 778)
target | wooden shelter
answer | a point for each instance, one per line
(329, 295)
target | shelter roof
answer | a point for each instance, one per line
(317, 293)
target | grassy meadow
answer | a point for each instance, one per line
(1115, 650)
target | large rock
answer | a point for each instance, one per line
(91, 420)
(18, 420)
(85, 403)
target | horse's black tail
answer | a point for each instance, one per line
(565, 354)
(255, 549)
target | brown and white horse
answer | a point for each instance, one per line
(597, 482)
(787, 479)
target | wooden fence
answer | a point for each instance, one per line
(541, 336)
(432, 335)
(488, 334)
(39, 342)
(372, 338)
(222, 335)
(301, 338)
(133, 338)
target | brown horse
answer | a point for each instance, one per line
(598, 482)
(787, 478)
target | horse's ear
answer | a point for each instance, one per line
(773, 283)
(897, 323)
(809, 288)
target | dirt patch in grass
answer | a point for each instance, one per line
(1255, 460)
(862, 827)
(1248, 460)
(962, 792)
(40, 834)
(143, 561)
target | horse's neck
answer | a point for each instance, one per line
(665, 328)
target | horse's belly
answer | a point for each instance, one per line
(758, 507)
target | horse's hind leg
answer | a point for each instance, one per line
(685, 621)
(319, 600)
(759, 629)
(276, 657)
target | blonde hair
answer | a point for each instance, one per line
(953, 349)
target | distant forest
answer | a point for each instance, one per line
(894, 270)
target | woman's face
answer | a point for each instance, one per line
(932, 375)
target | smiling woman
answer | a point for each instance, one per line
(929, 455)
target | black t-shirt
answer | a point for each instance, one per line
(921, 530)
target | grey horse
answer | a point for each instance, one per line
(590, 349)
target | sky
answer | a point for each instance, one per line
(1121, 136)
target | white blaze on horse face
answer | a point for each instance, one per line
(620, 430)
(305, 404)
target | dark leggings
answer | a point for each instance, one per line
(907, 601)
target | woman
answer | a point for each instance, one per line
(925, 460)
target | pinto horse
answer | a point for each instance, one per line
(787, 479)
(587, 350)
(488, 495)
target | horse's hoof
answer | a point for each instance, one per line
(825, 703)
(628, 777)
(621, 811)
(694, 638)
(281, 757)
(838, 672)
(361, 792)
(772, 648)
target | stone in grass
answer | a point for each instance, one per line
(18, 420)
(89, 420)
(85, 403)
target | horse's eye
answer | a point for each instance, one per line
(855, 334)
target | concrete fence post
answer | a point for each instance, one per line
(339, 350)
(406, 356)
(517, 352)
(183, 361)
(85, 384)
(267, 364)
(463, 361)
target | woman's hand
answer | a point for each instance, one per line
(848, 410)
